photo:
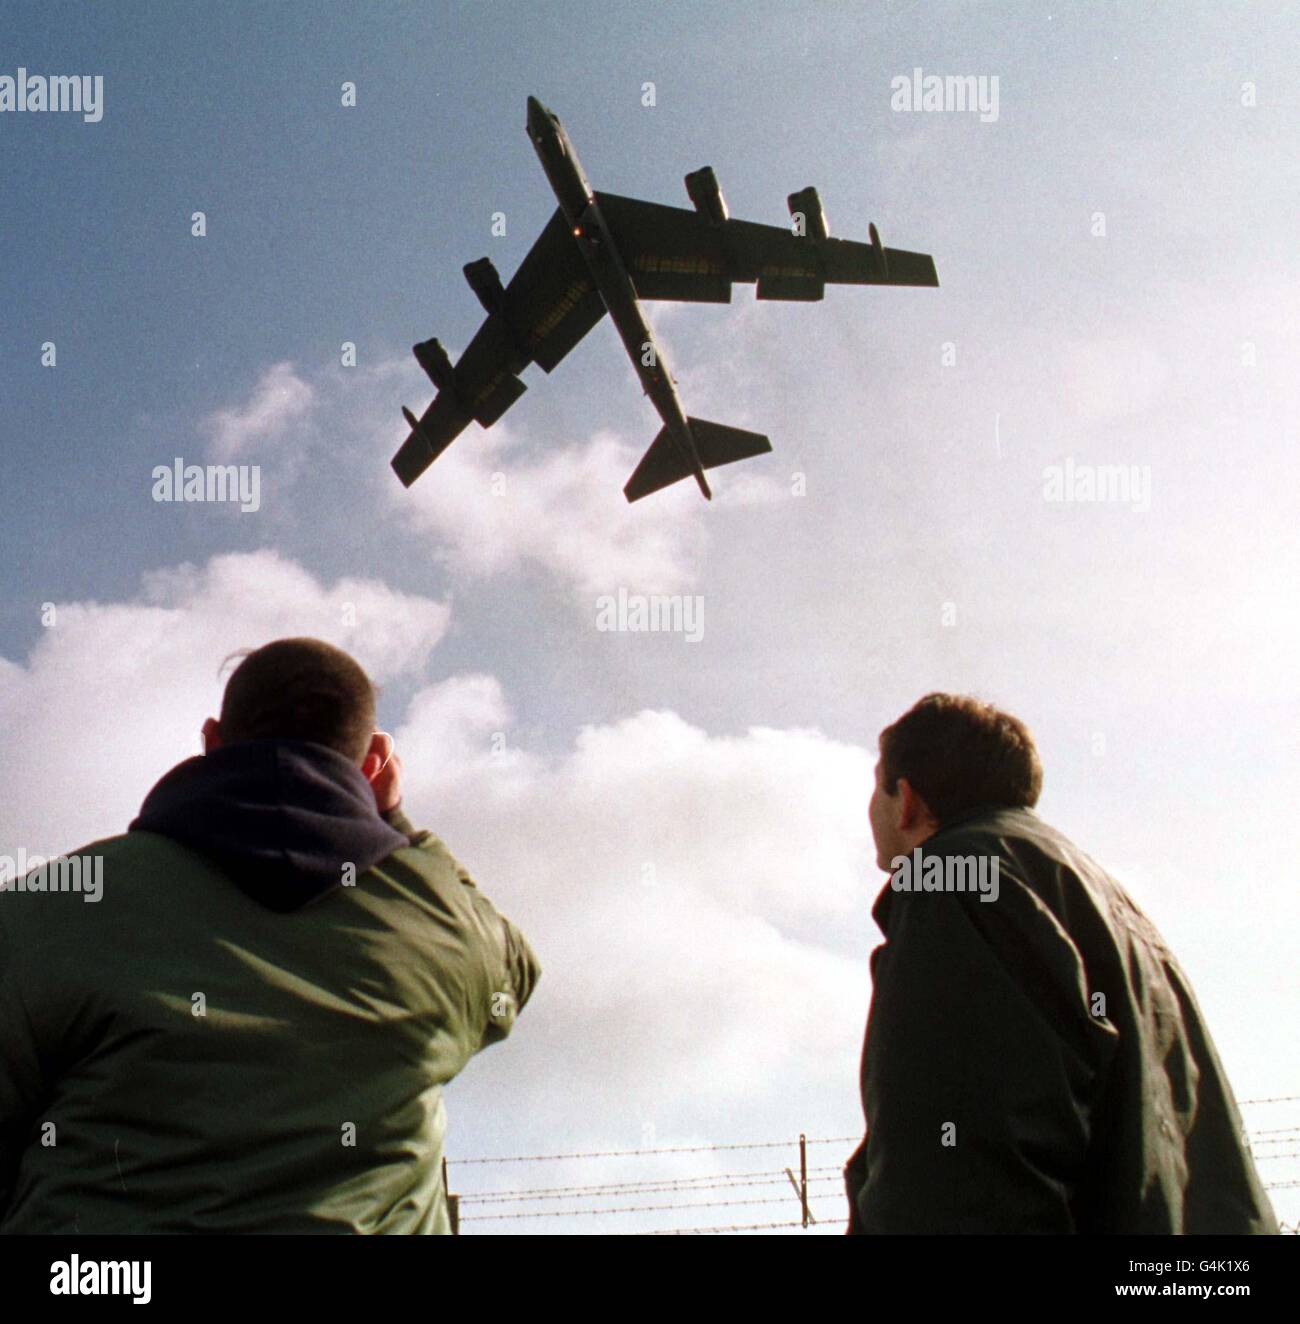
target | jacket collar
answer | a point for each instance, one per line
(983, 818)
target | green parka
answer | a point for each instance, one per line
(179, 1056)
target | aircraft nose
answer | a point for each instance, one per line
(538, 115)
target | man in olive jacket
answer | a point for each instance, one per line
(250, 1028)
(1035, 1060)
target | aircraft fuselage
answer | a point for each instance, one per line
(596, 243)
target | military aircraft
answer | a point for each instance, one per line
(603, 253)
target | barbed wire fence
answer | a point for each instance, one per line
(797, 1196)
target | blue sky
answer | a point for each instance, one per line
(1152, 652)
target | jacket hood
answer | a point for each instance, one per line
(283, 817)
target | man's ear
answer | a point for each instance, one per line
(913, 812)
(211, 735)
(377, 756)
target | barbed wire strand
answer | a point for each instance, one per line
(749, 1178)
(835, 1182)
(669, 1149)
(691, 1204)
(632, 1208)
(752, 1144)
(705, 1182)
(734, 1227)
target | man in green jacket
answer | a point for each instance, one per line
(1035, 1060)
(245, 1025)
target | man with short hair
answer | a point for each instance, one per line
(1035, 1060)
(251, 1028)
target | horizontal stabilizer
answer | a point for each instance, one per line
(664, 463)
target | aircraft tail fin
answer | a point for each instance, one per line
(664, 464)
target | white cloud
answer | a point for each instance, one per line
(498, 503)
(751, 489)
(687, 894)
(280, 398)
(114, 693)
(494, 510)
(492, 505)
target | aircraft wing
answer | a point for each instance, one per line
(547, 308)
(552, 302)
(676, 253)
(436, 429)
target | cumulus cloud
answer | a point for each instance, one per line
(653, 800)
(498, 502)
(279, 399)
(492, 507)
(697, 900)
(114, 693)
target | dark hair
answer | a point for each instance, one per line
(300, 689)
(959, 753)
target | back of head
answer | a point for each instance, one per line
(300, 689)
(960, 754)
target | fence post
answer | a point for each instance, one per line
(453, 1201)
(803, 1175)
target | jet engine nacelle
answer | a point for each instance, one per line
(433, 359)
(705, 195)
(808, 205)
(486, 284)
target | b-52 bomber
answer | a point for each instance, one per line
(603, 253)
